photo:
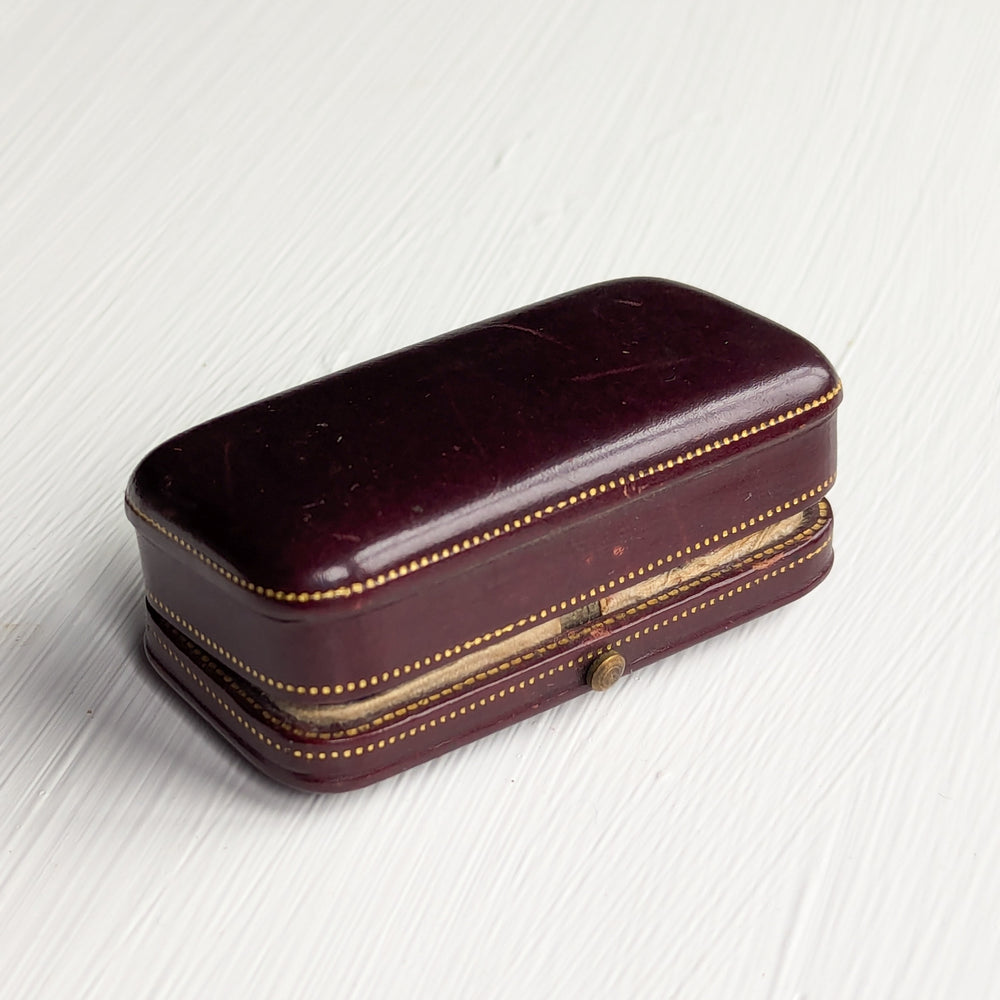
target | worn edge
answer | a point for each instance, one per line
(822, 519)
(383, 743)
(459, 648)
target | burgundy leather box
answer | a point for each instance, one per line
(356, 575)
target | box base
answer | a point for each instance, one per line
(308, 759)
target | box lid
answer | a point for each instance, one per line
(457, 449)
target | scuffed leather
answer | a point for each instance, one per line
(402, 468)
(361, 472)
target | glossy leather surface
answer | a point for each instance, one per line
(338, 540)
(440, 496)
(361, 472)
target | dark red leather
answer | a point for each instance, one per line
(334, 540)
(249, 721)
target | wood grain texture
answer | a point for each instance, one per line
(201, 203)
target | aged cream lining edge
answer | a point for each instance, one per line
(361, 710)
(381, 743)
(822, 516)
(359, 587)
(815, 493)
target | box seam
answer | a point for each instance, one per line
(611, 621)
(509, 629)
(384, 742)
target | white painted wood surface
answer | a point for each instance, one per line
(203, 203)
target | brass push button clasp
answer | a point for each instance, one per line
(605, 670)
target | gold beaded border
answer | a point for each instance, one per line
(492, 673)
(443, 719)
(421, 562)
(459, 648)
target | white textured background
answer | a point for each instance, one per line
(205, 202)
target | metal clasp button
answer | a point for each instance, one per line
(605, 670)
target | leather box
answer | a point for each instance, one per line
(356, 575)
